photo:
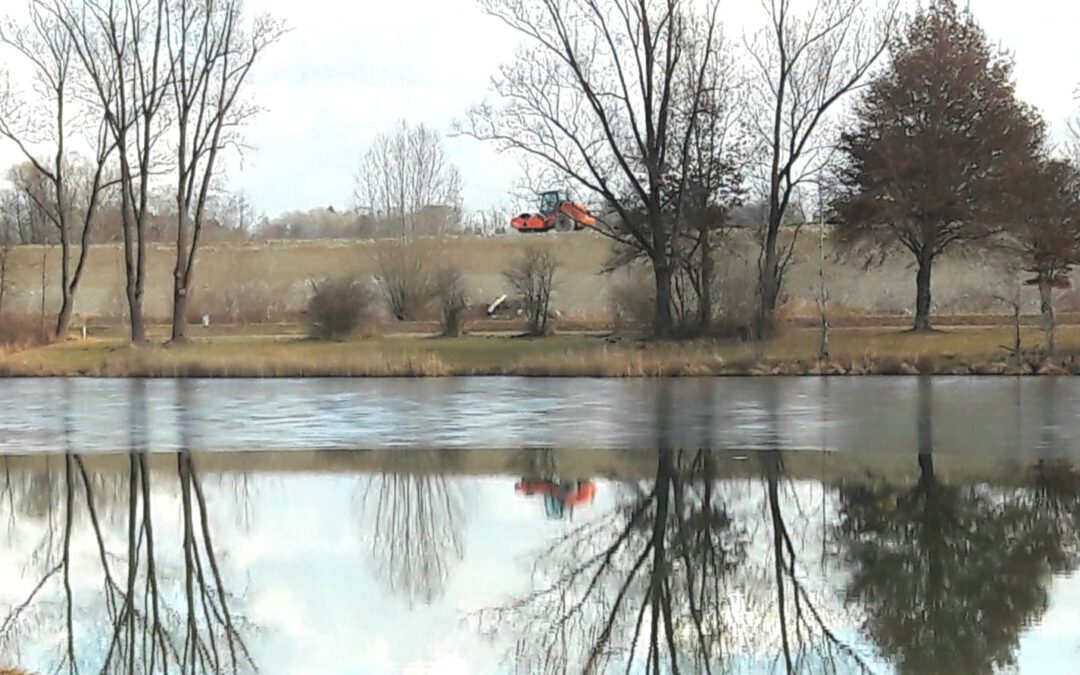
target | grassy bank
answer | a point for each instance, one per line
(853, 352)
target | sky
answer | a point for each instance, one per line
(348, 71)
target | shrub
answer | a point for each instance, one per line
(450, 290)
(406, 276)
(532, 276)
(337, 308)
(734, 301)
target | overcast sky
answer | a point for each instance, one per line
(348, 70)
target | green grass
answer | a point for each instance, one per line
(855, 351)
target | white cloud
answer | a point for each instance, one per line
(349, 70)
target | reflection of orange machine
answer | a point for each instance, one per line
(559, 497)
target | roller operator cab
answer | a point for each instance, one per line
(557, 211)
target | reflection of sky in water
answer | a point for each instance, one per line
(295, 550)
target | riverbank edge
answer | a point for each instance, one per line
(161, 362)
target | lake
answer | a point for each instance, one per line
(494, 525)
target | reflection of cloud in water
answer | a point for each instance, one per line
(306, 602)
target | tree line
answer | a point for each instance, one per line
(905, 128)
(131, 103)
(645, 104)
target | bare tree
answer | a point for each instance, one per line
(453, 299)
(594, 97)
(13, 212)
(406, 273)
(404, 175)
(122, 48)
(532, 276)
(485, 222)
(416, 530)
(5, 253)
(71, 191)
(211, 52)
(805, 63)
(29, 198)
(233, 212)
(939, 146)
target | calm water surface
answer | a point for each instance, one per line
(1033, 416)
(585, 526)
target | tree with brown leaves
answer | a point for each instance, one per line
(939, 142)
(1047, 234)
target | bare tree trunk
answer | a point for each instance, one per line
(1046, 306)
(179, 319)
(180, 281)
(44, 286)
(705, 304)
(922, 294)
(138, 326)
(769, 280)
(4, 251)
(133, 287)
(1016, 328)
(71, 283)
(823, 293)
(662, 320)
(67, 300)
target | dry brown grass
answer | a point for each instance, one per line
(267, 281)
(18, 332)
(854, 351)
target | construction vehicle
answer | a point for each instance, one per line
(557, 212)
(560, 496)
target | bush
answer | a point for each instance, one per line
(406, 275)
(338, 308)
(532, 276)
(450, 290)
(734, 301)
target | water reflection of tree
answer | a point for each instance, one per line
(807, 643)
(148, 631)
(414, 520)
(949, 576)
(643, 583)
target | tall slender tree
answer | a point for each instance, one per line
(52, 111)
(211, 51)
(939, 142)
(805, 64)
(121, 46)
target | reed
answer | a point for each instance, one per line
(853, 352)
